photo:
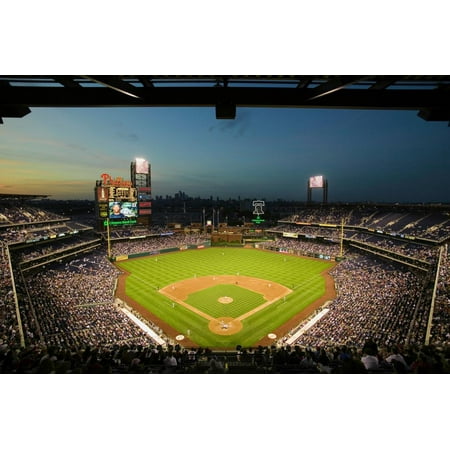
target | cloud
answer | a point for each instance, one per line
(237, 127)
(77, 147)
(129, 137)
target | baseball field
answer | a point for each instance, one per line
(222, 297)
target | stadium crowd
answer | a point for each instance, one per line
(302, 247)
(9, 330)
(370, 358)
(49, 247)
(25, 214)
(153, 244)
(427, 223)
(386, 242)
(413, 250)
(82, 332)
(72, 324)
(440, 331)
(74, 305)
(375, 299)
(136, 231)
(330, 233)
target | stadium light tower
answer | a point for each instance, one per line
(317, 181)
(141, 180)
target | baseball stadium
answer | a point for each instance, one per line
(293, 297)
(127, 285)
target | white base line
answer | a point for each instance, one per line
(307, 326)
(143, 326)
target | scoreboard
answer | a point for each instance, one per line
(117, 200)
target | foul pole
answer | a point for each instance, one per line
(108, 237)
(341, 253)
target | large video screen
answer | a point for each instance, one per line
(123, 210)
(316, 181)
(141, 165)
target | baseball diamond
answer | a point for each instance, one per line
(225, 297)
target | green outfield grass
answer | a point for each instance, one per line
(302, 275)
(243, 300)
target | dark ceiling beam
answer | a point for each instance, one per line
(16, 111)
(115, 83)
(383, 83)
(332, 86)
(303, 83)
(147, 83)
(67, 82)
(435, 114)
(208, 96)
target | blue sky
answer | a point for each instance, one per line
(267, 152)
(365, 155)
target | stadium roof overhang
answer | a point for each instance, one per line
(427, 94)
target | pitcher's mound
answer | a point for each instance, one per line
(225, 325)
(225, 300)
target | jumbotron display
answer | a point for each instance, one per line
(142, 166)
(123, 210)
(316, 181)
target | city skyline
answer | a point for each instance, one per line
(380, 156)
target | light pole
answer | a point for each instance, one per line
(204, 221)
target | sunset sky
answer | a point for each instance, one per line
(366, 155)
(391, 156)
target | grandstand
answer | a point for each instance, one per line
(59, 312)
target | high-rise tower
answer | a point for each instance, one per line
(141, 180)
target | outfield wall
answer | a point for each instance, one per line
(291, 251)
(205, 244)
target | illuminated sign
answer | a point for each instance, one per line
(103, 209)
(107, 180)
(258, 211)
(258, 220)
(316, 181)
(114, 223)
(141, 165)
(102, 194)
(258, 205)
